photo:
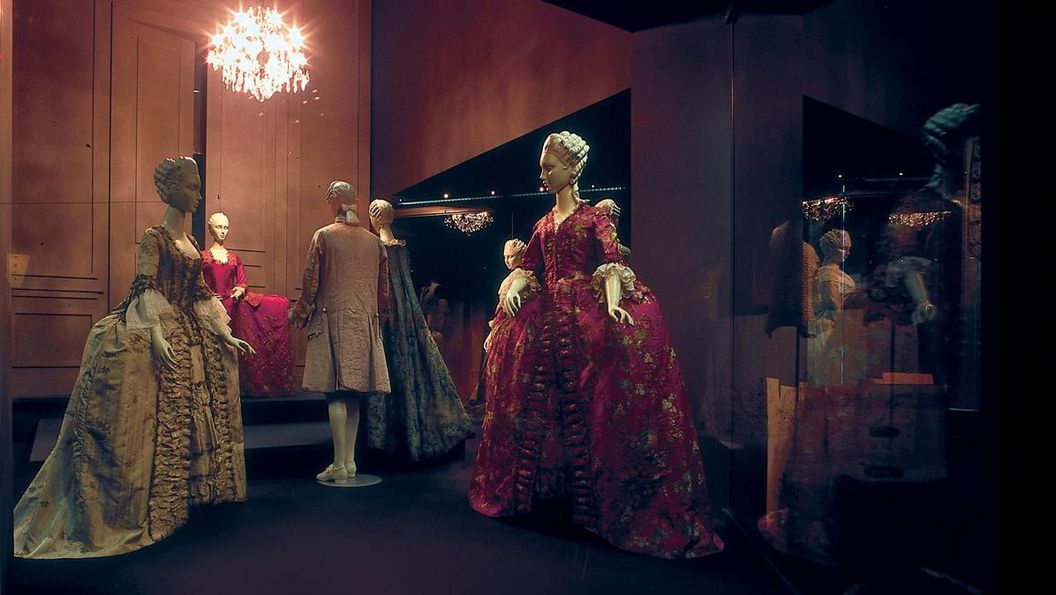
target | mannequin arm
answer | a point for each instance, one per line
(925, 310)
(912, 272)
(613, 293)
(241, 285)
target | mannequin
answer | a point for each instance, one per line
(833, 285)
(927, 273)
(153, 425)
(512, 253)
(345, 292)
(259, 318)
(827, 347)
(423, 418)
(584, 398)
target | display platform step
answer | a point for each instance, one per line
(258, 436)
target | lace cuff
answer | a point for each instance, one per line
(212, 315)
(608, 269)
(147, 310)
(897, 271)
(532, 286)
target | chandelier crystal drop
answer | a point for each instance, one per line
(469, 223)
(258, 54)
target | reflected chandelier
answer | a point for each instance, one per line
(258, 54)
(823, 209)
(469, 223)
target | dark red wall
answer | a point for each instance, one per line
(681, 132)
(455, 78)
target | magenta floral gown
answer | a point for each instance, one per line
(583, 408)
(260, 320)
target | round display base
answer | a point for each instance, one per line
(361, 480)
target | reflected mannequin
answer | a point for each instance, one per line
(345, 292)
(512, 253)
(584, 398)
(153, 425)
(830, 361)
(259, 318)
(833, 285)
(423, 417)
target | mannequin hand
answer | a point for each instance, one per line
(161, 348)
(487, 342)
(375, 211)
(620, 315)
(239, 344)
(238, 292)
(512, 303)
(924, 312)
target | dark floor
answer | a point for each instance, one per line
(413, 533)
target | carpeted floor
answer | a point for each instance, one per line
(412, 534)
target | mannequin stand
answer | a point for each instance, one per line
(361, 480)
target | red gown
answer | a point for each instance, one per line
(582, 407)
(260, 320)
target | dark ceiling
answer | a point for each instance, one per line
(639, 16)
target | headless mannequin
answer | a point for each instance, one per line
(560, 178)
(181, 199)
(219, 226)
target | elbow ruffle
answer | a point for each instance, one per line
(896, 271)
(212, 315)
(147, 310)
(609, 269)
(532, 286)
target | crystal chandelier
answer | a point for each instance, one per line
(469, 223)
(258, 54)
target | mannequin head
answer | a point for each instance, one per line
(945, 134)
(381, 213)
(835, 245)
(562, 161)
(341, 197)
(178, 183)
(218, 226)
(513, 252)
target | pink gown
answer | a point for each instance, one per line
(260, 320)
(583, 408)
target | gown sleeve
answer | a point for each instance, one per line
(531, 264)
(607, 249)
(146, 307)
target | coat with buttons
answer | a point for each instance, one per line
(345, 290)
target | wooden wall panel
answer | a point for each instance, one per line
(59, 236)
(243, 158)
(6, 495)
(49, 324)
(118, 79)
(152, 118)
